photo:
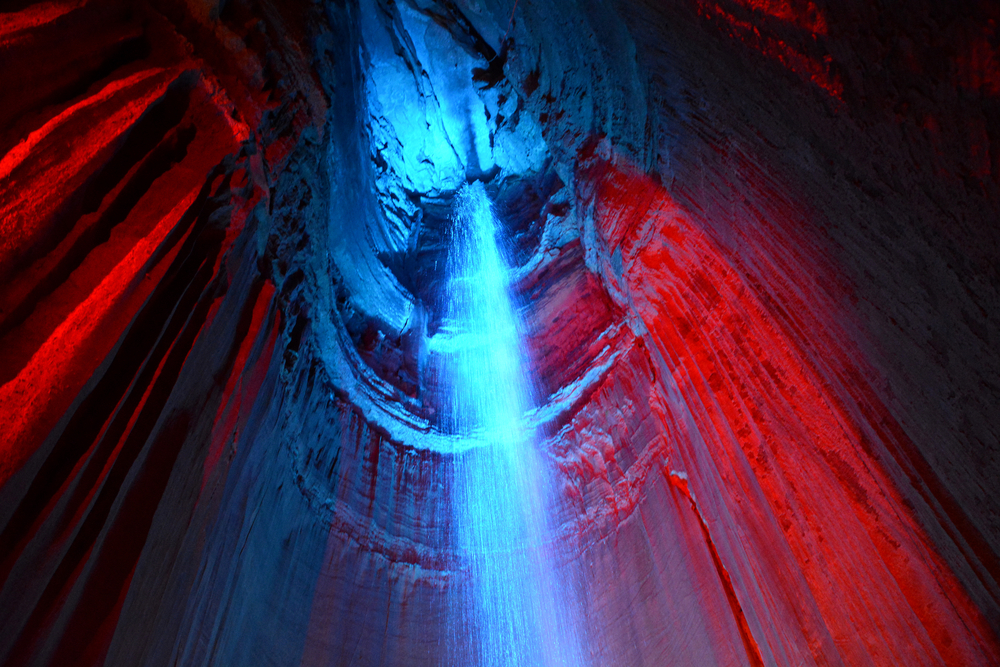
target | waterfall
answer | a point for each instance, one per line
(518, 610)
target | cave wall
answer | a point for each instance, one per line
(760, 288)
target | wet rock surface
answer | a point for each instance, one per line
(756, 252)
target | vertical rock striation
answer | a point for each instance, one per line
(757, 256)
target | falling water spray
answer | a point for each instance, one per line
(518, 610)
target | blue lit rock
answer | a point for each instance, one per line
(756, 251)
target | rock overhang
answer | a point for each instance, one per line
(433, 121)
(732, 272)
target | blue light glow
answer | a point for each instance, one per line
(519, 611)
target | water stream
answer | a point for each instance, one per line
(518, 611)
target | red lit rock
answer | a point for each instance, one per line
(758, 272)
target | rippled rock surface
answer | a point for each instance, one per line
(756, 247)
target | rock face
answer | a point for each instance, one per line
(756, 252)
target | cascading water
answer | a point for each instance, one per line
(518, 611)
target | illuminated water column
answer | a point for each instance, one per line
(518, 612)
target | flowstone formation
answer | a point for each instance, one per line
(753, 261)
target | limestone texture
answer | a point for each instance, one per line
(756, 249)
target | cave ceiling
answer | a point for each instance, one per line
(751, 258)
